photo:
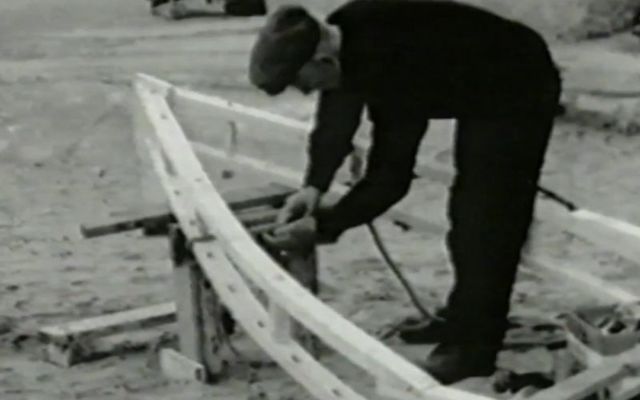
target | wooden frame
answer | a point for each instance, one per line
(609, 233)
(233, 252)
(193, 197)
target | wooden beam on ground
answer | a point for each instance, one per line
(626, 388)
(66, 352)
(585, 383)
(620, 237)
(139, 317)
(175, 365)
(589, 284)
(178, 158)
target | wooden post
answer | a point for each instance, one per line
(212, 327)
(196, 305)
(304, 268)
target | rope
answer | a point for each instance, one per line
(356, 167)
(386, 256)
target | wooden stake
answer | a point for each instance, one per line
(186, 295)
(175, 365)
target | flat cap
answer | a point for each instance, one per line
(286, 42)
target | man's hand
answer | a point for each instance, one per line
(299, 236)
(300, 204)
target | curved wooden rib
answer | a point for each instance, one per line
(180, 161)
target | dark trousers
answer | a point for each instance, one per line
(498, 162)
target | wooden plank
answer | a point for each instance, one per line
(239, 200)
(92, 348)
(272, 194)
(211, 330)
(585, 383)
(280, 324)
(150, 188)
(258, 216)
(175, 365)
(186, 295)
(391, 390)
(151, 315)
(590, 284)
(322, 320)
(619, 237)
(304, 269)
(299, 129)
(612, 234)
(629, 389)
(102, 229)
(581, 352)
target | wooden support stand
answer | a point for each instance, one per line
(201, 314)
(304, 268)
(196, 307)
(197, 310)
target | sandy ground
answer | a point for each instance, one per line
(67, 157)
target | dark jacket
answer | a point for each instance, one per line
(405, 62)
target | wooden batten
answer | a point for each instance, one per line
(582, 385)
(140, 317)
(186, 295)
(175, 365)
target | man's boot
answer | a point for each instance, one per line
(449, 363)
(414, 331)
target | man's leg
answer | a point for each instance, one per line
(498, 163)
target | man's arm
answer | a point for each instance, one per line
(387, 180)
(337, 119)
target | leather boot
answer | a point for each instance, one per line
(415, 331)
(424, 332)
(449, 363)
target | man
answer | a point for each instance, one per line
(406, 62)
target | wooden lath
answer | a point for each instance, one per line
(175, 161)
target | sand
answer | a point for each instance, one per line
(67, 157)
